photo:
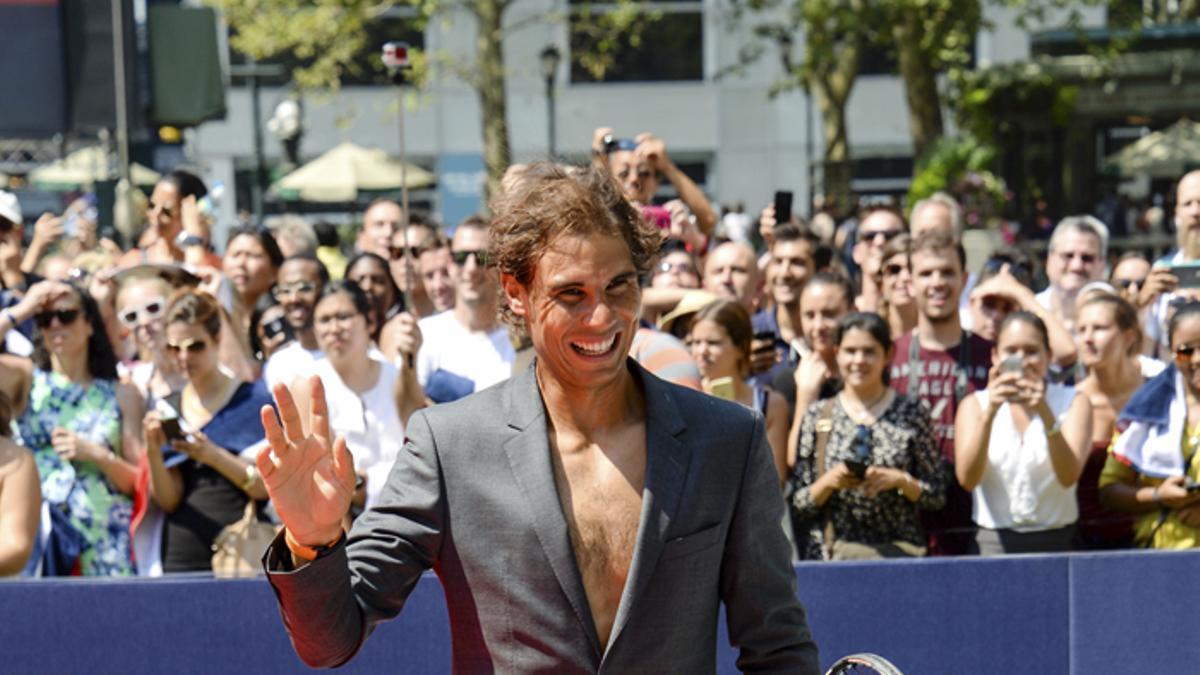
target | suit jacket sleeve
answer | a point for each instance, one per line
(758, 583)
(332, 604)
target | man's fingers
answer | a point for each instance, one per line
(266, 461)
(343, 462)
(274, 433)
(293, 429)
(319, 419)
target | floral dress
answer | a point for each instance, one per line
(80, 490)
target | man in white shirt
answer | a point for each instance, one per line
(300, 280)
(1077, 255)
(1160, 286)
(466, 349)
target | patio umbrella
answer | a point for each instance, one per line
(84, 167)
(1163, 154)
(345, 171)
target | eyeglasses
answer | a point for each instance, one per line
(1184, 352)
(1124, 284)
(460, 257)
(343, 318)
(888, 235)
(65, 317)
(894, 269)
(1085, 258)
(677, 268)
(189, 346)
(284, 290)
(397, 252)
(147, 312)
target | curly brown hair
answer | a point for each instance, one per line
(547, 201)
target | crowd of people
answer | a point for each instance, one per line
(913, 406)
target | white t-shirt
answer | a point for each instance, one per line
(289, 363)
(447, 345)
(1019, 490)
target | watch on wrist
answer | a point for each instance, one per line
(186, 240)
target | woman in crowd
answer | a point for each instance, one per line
(141, 304)
(720, 342)
(251, 263)
(1109, 339)
(1020, 446)
(369, 398)
(203, 475)
(897, 306)
(171, 210)
(80, 424)
(20, 496)
(866, 457)
(373, 275)
(1153, 461)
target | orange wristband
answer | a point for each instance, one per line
(308, 553)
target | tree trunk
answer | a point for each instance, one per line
(920, 83)
(489, 84)
(836, 170)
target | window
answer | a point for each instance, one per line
(671, 47)
(367, 68)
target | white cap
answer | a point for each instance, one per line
(10, 208)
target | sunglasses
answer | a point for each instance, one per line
(677, 268)
(397, 252)
(283, 291)
(189, 346)
(65, 317)
(894, 269)
(148, 312)
(1184, 352)
(887, 235)
(460, 257)
(996, 304)
(1124, 284)
(994, 265)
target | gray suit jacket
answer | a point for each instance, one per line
(473, 497)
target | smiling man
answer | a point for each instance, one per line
(301, 278)
(583, 517)
(1077, 256)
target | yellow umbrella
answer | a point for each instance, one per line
(342, 173)
(84, 167)
(1163, 154)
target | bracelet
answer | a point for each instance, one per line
(251, 476)
(1155, 497)
(311, 553)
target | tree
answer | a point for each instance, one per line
(327, 35)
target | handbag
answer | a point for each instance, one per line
(239, 547)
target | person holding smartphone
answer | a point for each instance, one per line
(865, 457)
(1020, 446)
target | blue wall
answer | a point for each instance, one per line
(1128, 612)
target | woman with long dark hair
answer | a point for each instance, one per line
(80, 423)
(372, 274)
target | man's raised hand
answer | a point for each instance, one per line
(309, 477)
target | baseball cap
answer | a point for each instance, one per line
(10, 208)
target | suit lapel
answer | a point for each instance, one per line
(528, 451)
(667, 460)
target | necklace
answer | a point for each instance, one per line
(864, 413)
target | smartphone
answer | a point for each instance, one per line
(1188, 274)
(172, 430)
(783, 206)
(722, 387)
(277, 326)
(1012, 364)
(1192, 486)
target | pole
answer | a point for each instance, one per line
(408, 261)
(260, 170)
(550, 114)
(122, 100)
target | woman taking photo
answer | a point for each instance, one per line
(1153, 461)
(720, 343)
(80, 424)
(1109, 339)
(203, 473)
(866, 457)
(369, 399)
(1020, 446)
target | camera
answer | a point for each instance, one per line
(613, 144)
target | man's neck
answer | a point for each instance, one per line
(307, 338)
(477, 318)
(590, 411)
(940, 334)
(787, 317)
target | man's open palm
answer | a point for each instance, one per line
(310, 478)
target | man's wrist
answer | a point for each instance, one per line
(308, 552)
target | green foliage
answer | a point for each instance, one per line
(962, 167)
(990, 101)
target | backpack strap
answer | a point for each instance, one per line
(824, 426)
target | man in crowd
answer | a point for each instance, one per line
(791, 265)
(467, 349)
(380, 222)
(875, 229)
(1159, 289)
(437, 272)
(1005, 287)
(301, 278)
(404, 254)
(604, 512)
(941, 364)
(938, 211)
(731, 271)
(1077, 256)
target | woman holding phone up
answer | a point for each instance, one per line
(1020, 446)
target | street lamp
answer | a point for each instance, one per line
(550, 57)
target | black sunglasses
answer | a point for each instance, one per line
(460, 257)
(1124, 284)
(397, 252)
(65, 317)
(887, 235)
(894, 269)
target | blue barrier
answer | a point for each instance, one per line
(1121, 612)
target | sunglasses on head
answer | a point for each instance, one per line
(460, 257)
(189, 346)
(149, 311)
(65, 317)
(397, 252)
